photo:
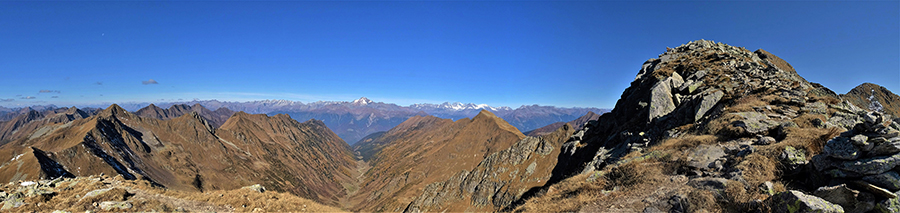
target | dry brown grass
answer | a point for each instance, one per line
(722, 126)
(702, 200)
(805, 120)
(566, 196)
(812, 140)
(572, 194)
(758, 168)
(69, 196)
(746, 104)
(685, 142)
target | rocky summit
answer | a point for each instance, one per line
(703, 127)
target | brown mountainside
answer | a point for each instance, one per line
(187, 153)
(424, 150)
(874, 97)
(499, 180)
(29, 120)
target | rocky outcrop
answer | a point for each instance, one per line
(689, 84)
(864, 158)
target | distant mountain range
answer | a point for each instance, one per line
(351, 120)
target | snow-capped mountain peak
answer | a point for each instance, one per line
(457, 106)
(362, 101)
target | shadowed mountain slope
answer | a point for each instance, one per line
(578, 123)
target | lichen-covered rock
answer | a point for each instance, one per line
(793, 159)
(795, 201)
(841, 148)
(12, 201)
(888, 206)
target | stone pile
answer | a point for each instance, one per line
(865, 158)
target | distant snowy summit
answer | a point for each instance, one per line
(457, 106)
(362, 101)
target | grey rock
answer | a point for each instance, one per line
(755, 122)
(844, 120)
(887, 147)
(871, 166)
(661, 102)
(859, 140)
(765, 140)
(255, 187)
(115, 205)
(702, 156)
(707, 103)
(795, 201)
(815, 108)
(888, 180)
(707, 183)
(840, 194)
(841, 148)
(793, 159)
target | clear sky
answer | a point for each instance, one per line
(499, 52)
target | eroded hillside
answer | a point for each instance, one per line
(187, 153)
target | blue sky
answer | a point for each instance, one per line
(499, 53)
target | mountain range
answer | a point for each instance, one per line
(354, 120)
(705, 127)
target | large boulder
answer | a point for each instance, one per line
(795, 201)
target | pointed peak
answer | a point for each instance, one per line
(485, 112)
(362, 101)
(113, 110)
